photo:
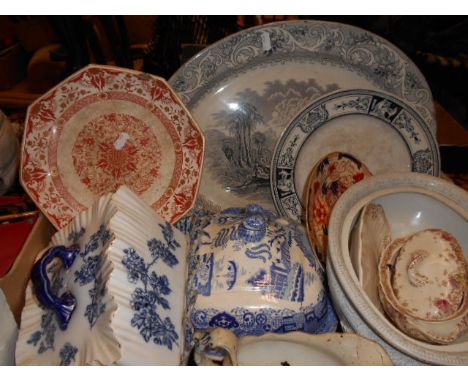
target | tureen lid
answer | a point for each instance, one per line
(254, 272)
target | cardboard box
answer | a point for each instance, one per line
(15, 281)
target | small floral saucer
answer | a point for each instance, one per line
(423, 287)
(431, 263)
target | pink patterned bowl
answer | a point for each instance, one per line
(423, 286)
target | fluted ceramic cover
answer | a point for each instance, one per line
(128, 280)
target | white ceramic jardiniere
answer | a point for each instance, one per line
(412, 202)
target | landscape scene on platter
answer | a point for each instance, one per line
(242, 138)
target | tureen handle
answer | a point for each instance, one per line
(218, 344)
(66, 303)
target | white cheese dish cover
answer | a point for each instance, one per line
(126, 273)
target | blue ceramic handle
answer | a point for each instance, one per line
(66, 303)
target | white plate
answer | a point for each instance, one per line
(384, 133)
(370, 236)
(291, 349)
(244, 90)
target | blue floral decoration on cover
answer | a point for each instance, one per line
(150, 295)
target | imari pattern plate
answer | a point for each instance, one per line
(104, 127)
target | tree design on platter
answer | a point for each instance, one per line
(243, 135)
(240, 122)
(243, 149)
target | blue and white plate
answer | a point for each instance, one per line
(245, 89)
(383, 132)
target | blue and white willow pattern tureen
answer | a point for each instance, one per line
(253, 272)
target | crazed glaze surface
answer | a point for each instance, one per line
(104, 127)
(353, 321)
(254, 273)
(290, 349)
(254, 82)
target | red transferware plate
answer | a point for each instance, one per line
(104, 127)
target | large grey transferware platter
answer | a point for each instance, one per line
(244, 91)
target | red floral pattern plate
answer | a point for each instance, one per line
(328, 180)
(104, 127)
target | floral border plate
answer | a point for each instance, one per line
(245, 89)
(383, 132)
(104, 127)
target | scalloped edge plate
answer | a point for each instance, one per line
(103, 127)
